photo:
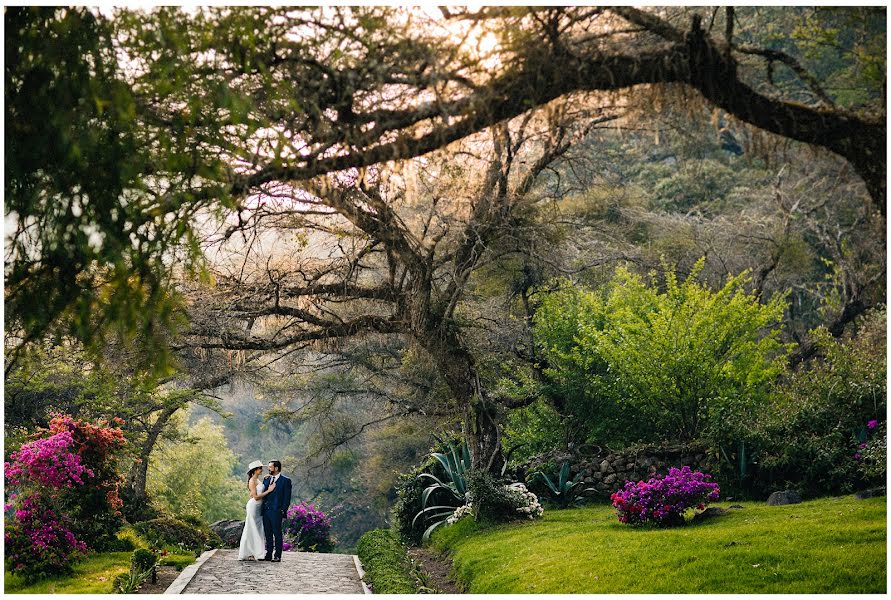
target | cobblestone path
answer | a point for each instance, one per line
(297, 573)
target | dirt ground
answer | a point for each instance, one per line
(437, 567)
(166, 575)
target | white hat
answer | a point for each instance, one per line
(254, 465)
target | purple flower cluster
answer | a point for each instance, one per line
(307, 528)
(663, 500)
(871, 424)
(38, 541)
(48, 462)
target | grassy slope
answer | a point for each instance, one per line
(93, 575)
(829, 545)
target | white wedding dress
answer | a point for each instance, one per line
(253, 539)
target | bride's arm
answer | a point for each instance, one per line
(253, 487)
(269, 491)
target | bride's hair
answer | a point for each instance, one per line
(251, 474)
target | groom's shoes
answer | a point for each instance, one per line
(266, 558)
(276, 560)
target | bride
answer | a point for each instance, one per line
(253, 540)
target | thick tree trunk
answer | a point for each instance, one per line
(457, 367)
(135, 495)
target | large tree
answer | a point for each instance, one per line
(389, 255)
(227, 108)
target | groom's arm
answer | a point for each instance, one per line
(287, 496)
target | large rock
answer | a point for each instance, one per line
(229, 531)
(709, 513)
(871, 493)
(784, 497)
(604, 466)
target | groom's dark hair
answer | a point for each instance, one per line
(278, 465)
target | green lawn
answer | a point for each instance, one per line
(94, 574)
(831, 545)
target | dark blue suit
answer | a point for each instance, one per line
(274, 508)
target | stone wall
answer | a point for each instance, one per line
(608, 474)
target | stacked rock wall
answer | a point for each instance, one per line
(608, 474)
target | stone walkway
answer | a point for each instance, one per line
(220, 572)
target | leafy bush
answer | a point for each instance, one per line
(385, 560)
(664, 499)
(873, 453)
(39, 542)
(409, 489)
(167, 531)
(808, 437)
(119, 545)
(491, 500)
(688, 361)
(143, 560)
(564, 492)
(308, 529)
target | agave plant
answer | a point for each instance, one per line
(452, 488)
(565, 492)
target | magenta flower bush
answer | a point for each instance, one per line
(47, 462)
(61, 490)
(664, 499)
(308, 529)
(38, 540)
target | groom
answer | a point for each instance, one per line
(275, 505)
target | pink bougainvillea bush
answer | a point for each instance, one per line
(39, 542)
(61, 491)
(664, 499)
(308, 529)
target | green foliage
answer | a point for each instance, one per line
(385, 560)
(690, 185)
(409, 490)
(192, 478)
(874, 458)
(143, 560)
(687, 361)
(532, 430)
(832, 545)
(808, 437)
(564, 492)
(170, 532)
(492, 502)
(91, 240)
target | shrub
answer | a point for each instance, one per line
(663, 500)
(308, 529)
(807, 439)
(167, 531)
(385, 560)
(494, 501)
(688, 360)
(407, 505)
(873, 453)
(143, 560)
(39, 542)
(62, 491)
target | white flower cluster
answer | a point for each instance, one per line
(460, 512)
(526, 502)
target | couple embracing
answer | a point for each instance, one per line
(262, 535)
